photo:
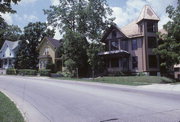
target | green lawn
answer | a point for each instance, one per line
(128, 80)
(8, 110)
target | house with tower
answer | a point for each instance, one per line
(130, 48)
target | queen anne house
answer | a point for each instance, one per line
(129, 49)
(8, 54)
(48, 53)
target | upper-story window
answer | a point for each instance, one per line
(46, 52)
(152, 42)
(114, 45)
(114, 34)
(151, 27)
(134, 44)
(124, 45)
(140, 28)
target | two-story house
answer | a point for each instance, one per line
(48, 53)
(129, 49)
(8, 54)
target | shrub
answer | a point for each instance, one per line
(11, 71)
(52, 67)
(44, 72)
(60, 74)
(27, 72)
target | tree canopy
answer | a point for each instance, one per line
(80, 21)
(169, 44)
(9, 32)
(31, 37)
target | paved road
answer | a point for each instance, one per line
(47, 100)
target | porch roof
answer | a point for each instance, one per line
(114, 52)
(44, 57)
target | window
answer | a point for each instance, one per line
(141, 28)
(152, 61)
(151, 27)
(114, 62)
(114, 45)
(134, 44)
(10, 62)
(5, 62)
(152, 42)
(124, 45)
(134, 62)
(114, 35)
(176, 69)
(46, 52)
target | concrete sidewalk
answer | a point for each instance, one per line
(167, 87)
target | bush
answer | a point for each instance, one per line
(60, 74)
(27, 72)
(11, 71)
(44, 72)
(51, 67)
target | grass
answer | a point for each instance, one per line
(9, 111)
(127, 80)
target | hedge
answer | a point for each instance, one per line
(44, 72)
(27, 72)
(11, 71)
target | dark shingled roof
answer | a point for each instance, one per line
(54, 42)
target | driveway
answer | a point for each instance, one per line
(47, 100)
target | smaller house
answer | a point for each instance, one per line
(48, 53)
(8, 54)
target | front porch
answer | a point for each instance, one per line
(7, 63)
(116, 61)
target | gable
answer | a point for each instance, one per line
(6, 52)
(45, 44)
(109, 33)
(148, 14)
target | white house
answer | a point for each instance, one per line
(8, 54)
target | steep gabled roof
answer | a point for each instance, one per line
(12, 45)
(131, 30)
(148, 14)
(54, 42)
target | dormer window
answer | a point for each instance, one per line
(151, 27)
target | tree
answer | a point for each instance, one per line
(74, 52)
(169, 44)
(95, 61)
(76, 18)
(22, 57)
(33, 34)
(5, 7)
(9, 32)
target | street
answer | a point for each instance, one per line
(51, 100)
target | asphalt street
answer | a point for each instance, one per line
(49, 100)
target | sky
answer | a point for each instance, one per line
(124, 11)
